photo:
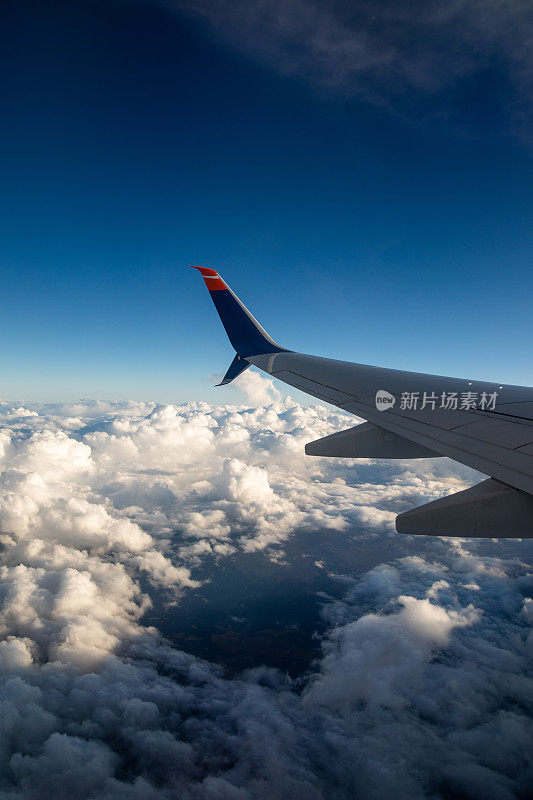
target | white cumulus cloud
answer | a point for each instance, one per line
(424, 685)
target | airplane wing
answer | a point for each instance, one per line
(487, 426)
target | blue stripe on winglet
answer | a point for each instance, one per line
(244, 332)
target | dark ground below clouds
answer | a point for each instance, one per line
(253, 611)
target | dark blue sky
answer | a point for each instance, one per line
(378, 213)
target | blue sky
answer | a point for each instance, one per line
(361, 214)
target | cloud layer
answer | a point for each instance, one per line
(424, 686)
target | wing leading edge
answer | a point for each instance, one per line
(496, 439)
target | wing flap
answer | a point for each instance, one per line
(506, 433)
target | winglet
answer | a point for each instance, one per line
(244, 332)
(237, 366)
(212, 279)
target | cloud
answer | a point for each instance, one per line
(390, 53)
(423, 688)
(358, 667)
(259, 391)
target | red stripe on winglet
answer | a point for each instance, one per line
(205, 270)
(214, 284)
(212, 279)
